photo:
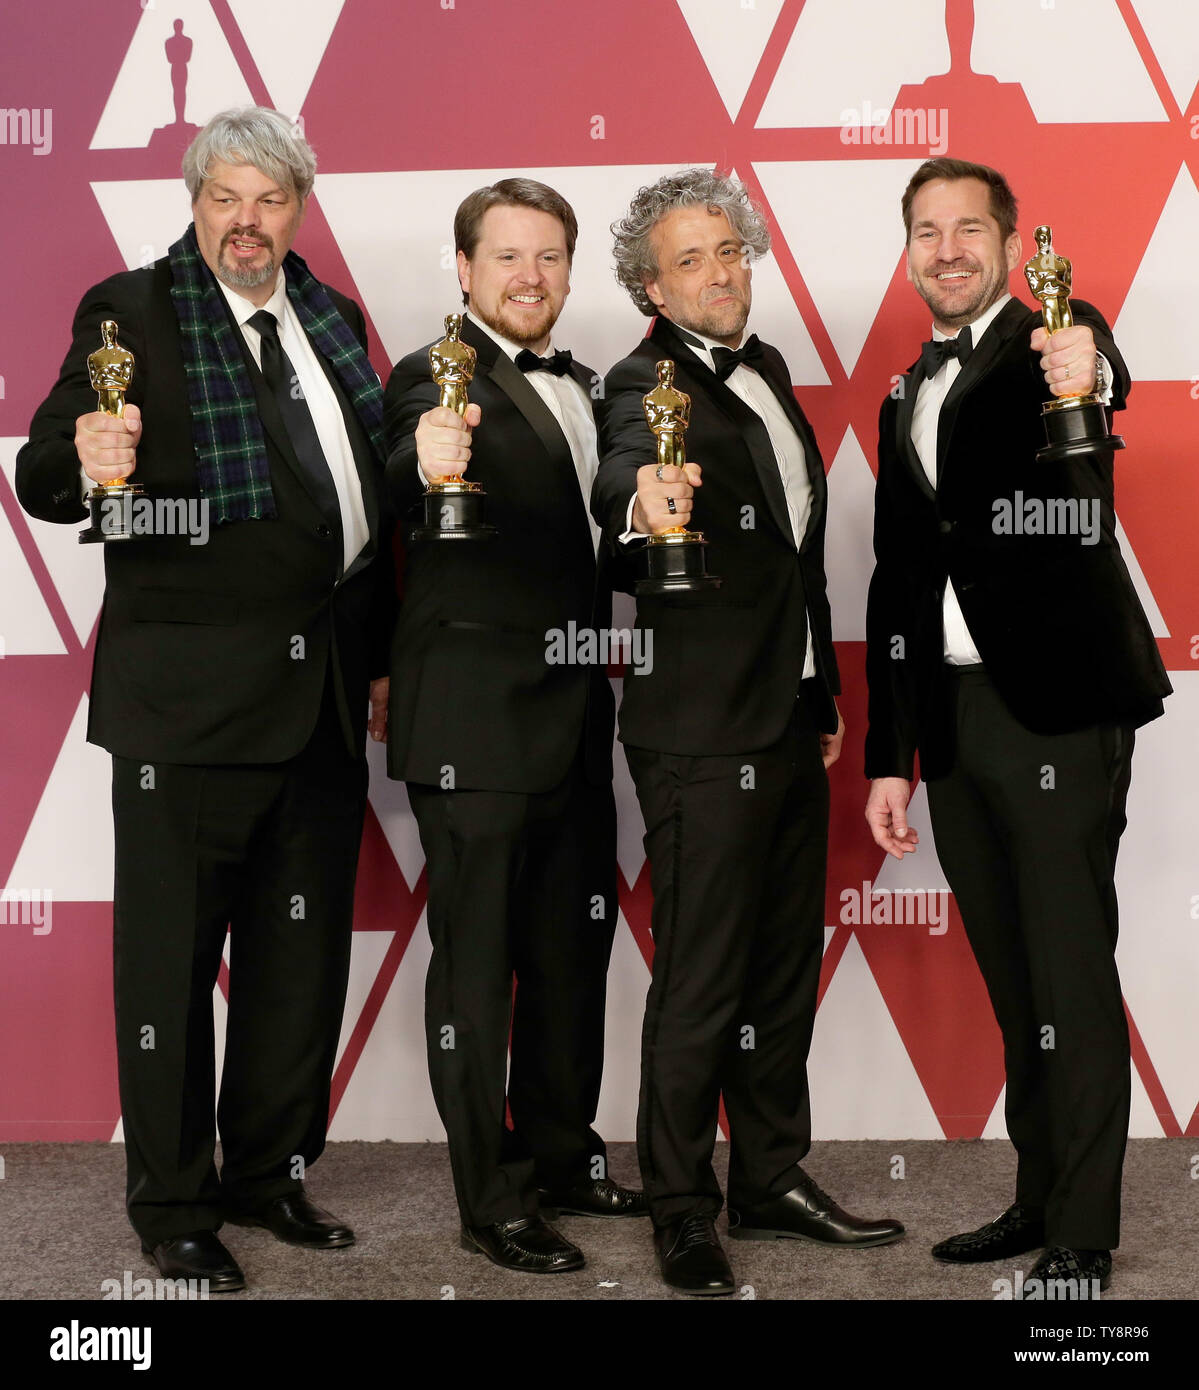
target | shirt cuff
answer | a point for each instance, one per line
(628, 533)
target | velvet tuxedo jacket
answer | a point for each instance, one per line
(474, 688)
(727, 662)
(1056, 621)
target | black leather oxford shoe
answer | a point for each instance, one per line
(198, 1255)
(1019, 1229)
(528, 1245)
(296, 1220)
(592, 1197)
(807, 1213)
(690, 1256)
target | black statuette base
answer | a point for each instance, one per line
(675, 565)
(111, 514)
(1076, 426)
(452, 516)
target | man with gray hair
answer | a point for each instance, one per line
(231, 685)
(728, 738)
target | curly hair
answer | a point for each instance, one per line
(633, 246)
(252, 135)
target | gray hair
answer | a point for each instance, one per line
(632, 245)
(252, 135)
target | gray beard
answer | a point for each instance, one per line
(248, 279)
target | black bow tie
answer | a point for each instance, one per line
(936, 352)
(749, 354)
(559, 364)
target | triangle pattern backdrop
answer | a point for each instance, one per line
(817, 104)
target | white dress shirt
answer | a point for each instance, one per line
(789, 454)
(322, 402)
(570, 406)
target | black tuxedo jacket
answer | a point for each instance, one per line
(727, 662)
(472, 689)
(1057, 623)
(197, 658)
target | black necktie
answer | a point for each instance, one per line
(936, 352)
(559, 364)
(284, 384)
(749, 354)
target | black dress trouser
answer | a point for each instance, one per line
(737, 847)
(519, 884)
(1027, 827)
(270, 852)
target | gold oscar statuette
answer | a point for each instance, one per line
(674, 558)
(1075, 423)
(453, 506)
(110, 370)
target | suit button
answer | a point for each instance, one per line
(323, 531)
(946, 527)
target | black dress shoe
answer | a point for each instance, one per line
(1077, 1267)
(592, 1197)
(807, 1213)
(690, 1256)
(528, 1245)
(198, 1255)
(1019, 1229)
(296, 1220)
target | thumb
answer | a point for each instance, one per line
(132, 416)
(1039, 338)
(694, 474)
(474, 413)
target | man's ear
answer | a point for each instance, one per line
(907, 266)
(463, 274)
(653, 293)
(1015, 250)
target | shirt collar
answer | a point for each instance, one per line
(511, 348)
(704, 351)
(980, 324)
(243, 310)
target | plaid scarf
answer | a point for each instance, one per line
(230, 448)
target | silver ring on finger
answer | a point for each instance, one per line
(670, 507)
(658, 472)
(1067, 371)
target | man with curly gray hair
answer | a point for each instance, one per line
(728, 738)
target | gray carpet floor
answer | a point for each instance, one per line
(63, 1229)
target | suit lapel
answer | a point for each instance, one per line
(904, 447)
(748, 423)
(360, 448)
(980, 361)
(508, 378)
(785, 396)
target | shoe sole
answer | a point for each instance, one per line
(472, 1249)
(702, 1293)
(984, 1259)
(753, 1233)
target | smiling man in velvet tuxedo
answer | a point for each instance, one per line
(728, 739)
(1017, 661)
(231, 687)
(507, 752)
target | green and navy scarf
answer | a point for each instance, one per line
(232, 465)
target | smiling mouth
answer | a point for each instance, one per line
(527, 300)
(946, 275)
(243, 246)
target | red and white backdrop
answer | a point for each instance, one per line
(824, 107)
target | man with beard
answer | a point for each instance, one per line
(231, 687)
(1018, 665)
(728, 739)
(507, 753)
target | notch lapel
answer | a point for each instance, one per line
(904, 447)
(981, 359)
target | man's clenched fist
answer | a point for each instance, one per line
(652, 513)
(1067, 359)
(107, 444)
(443, 440)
